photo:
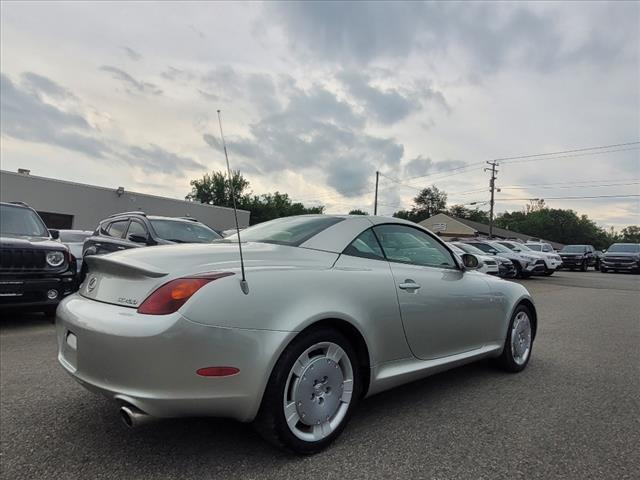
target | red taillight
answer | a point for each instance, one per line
(217, 371)
(172, 295)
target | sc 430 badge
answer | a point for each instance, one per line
(127, 301)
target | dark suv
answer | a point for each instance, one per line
(136, 229)
(36, 271)
(579, 256)
(623, 257)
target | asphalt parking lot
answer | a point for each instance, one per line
(574, 413)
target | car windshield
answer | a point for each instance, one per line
(574, 249)
(500, 248)
(537, 248)
(183, 231)
(21, 221)
(510, 246)
(73, 237)
(292, 231)
(465, 247)
(485, 247)
(624, 248)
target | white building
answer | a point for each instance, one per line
(63, 204)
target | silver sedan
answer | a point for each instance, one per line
(335, 308)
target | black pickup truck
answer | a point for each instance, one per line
(36, 271)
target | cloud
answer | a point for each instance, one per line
(485, 36)
(131, 84)
(132, 54)
(420, 165)
(27, 117)
(41, 84)
(387, 106)
(158, 160)
(315, 131)
(177, 75)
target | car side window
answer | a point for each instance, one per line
(404, 244)
(365, 246)
(116, 229)
(138, 229)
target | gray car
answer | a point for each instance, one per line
(337, 308)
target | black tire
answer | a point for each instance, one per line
(585, 266)
(270, 421)
(50, 313)
(548, 273)
(518, 270)
(603, 270)
(506, 359)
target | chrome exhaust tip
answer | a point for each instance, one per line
(133, 418)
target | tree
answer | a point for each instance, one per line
(564, 226)
(630, 234)
(427, 203)
(215, 189)
(357, 211)
(476, 215)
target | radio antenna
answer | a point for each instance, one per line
(243, 283)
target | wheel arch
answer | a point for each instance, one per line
(534, 314)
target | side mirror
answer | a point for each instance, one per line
(470, 261)
(55, 233)
(138, 238)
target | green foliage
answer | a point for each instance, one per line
(215, 189)
(564, 226)
(357, 211)
(427, 203)
(474, 215)
(630, 234)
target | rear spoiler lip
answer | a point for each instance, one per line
(130, 266)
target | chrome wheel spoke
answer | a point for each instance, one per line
(291, 415)
(334, 352)
(300, 365)
(321, 431)
(521, 338)
(347, 391)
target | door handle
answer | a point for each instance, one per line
(409, 285)
(120, 247)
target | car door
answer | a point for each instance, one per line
(137, 234)
(445, 310)
(112, 240)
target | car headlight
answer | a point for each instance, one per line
(55, 259)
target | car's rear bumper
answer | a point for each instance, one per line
(150, 362)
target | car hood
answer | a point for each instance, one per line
(621, 254)
(9, 241)
(569, 254)
(128, 277)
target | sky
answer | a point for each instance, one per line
(317, 97)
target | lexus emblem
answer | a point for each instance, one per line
(92, 284)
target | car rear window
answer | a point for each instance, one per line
(291, 231)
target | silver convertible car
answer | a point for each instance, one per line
(335, 308)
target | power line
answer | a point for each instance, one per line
(574, 197)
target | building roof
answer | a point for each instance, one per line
(483, 230)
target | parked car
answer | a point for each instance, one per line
(525, 265)
(623, 257)
(552, 261)
(579, 257)
(486, 263)
(36, 271)
(335, 308)
(540, 246)
(126, 230)
(74, 239)
(506, 269)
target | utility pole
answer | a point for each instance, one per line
(492, 185)
(375, 201)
